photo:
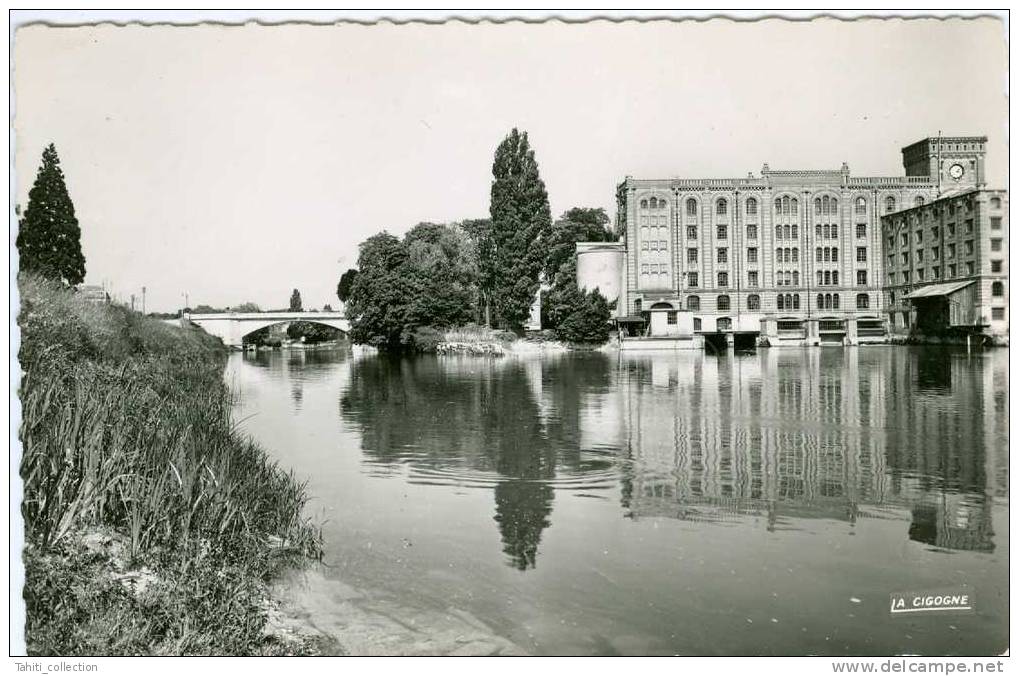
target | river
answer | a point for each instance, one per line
(603, 503)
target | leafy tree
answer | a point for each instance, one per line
(49, 239)
(521, 221)
(482, 251)
(593, 216)
(378, 296)
(247, 307)
(576, 225)
(295, 301)
(427, 280)
(346, 283)
(442, 276)
(327, 308)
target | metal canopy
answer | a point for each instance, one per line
(938, 290)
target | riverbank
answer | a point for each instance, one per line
(481, 341)
(151, 525)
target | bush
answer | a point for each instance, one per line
(426, 338)
(587, 321)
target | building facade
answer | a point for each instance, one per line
(793, 256)
(946, 264)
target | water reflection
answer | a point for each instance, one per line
(831, 434)
(779, 438)
(510, 425)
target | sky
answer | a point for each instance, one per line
(236, 163)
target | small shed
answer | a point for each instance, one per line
(946, 305)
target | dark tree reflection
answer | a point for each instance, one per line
(472, 415)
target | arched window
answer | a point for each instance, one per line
(693, 303)
(796, 277)
(820, 301)
(995, 202)
(835, 301)
(778, 232)
(817, 206)
(834, 231)
(787, 231)
(691, 207)
(723, 279)
(778, 206)
(796, 206)
(827, 254)
(817, 257)
(785, 205)
(834, 254)
(861, 205)
(817, 231)
(826, 205)
(796, 231)
(918, 202)
(788, 255)
(751, 206)
(721, 207)
(796, 255)
(796, 301)
(834, 206)
(827, 301)
(724, 324)
(654, 202)
(889, 204)
(722, 303)
(820, 278)
(835, 277)
(753, 302)
(696, 323)
(778, 255)
(997, 289)
(781, 303)
(862, 301)
(643, 204)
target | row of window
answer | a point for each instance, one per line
(969, 267)
(950, 250)
(788, 301)
(950, 232)
(782, 231)
(785, 205)
(783, 278)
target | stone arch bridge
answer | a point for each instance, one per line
(231, 327)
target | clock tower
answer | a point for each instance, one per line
(949, 161)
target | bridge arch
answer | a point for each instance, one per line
(233, 327)
(266, 325)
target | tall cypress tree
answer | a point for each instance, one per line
(295, 301)
(49, 239)
(521, 223)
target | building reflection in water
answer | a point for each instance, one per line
(774, 437)
(830, 434)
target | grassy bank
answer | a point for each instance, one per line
(151, 526)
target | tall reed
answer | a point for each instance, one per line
(126, 426)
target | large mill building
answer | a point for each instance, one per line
(796, 256)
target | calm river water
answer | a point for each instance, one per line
(591, 503)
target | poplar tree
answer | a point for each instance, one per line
(49, 239)
(521, 222)
(295, 301)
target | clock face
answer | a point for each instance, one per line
(956, 171)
